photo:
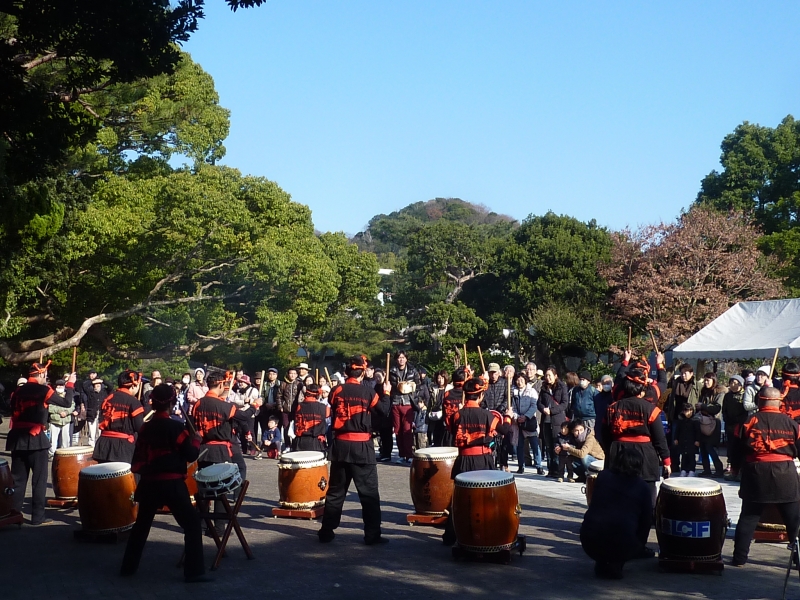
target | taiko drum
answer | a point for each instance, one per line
(485, 511)
(302, 479)
(691, 520)
(67, 464)
(105, 498)
(592, 473)
(430, 480)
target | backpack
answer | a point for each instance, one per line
(707, 424)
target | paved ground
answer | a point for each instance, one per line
(290, 562)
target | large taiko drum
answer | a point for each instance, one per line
(430, 480)
(485, 511)
(105, 498)
(592, 473)
(771, 520)
(6, 488)
(302, 479)
(67, 464)
(691, 520)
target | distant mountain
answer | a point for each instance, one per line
(388, 233)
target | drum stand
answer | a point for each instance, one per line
(674, 565)
(429, 520)
(13, 518)
(502, 557)
(231, 515)
(299, 513)
(62, 502)
(794, 562)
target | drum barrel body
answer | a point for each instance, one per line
(486, 519)
(690, 527)
(191, 484)
(66, 468)
(591, 480)
(6, 489)
(106, 505)
(303, 486)
(431, 484)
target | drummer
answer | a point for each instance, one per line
(768, 475)
(28, 441)
(215, 420)
(635, 424)
(474, 430)
(451, 402)
(121, 417)
(352, 454)
(310, 425)
(163, 449)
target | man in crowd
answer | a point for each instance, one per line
(155, 379)
(768, 475)
(583, 447)
(290, 393)
(60, 418)
(271, 397)
(121, 419)
(27, 440)
(496, 396)
(352, 455)
(404, 379)
(92, 400)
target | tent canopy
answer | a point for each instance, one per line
(748, 330)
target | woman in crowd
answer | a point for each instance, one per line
(553, 403)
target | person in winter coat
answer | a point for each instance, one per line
(525, 427)
(751, 391)
(686, 438)
(421, 425)
(290, 393)
(93, 399)
(60, 418)
(436, 410)
(735, 416)
(197, 388)
(601, 401)
(708, 407)
(553, 403)
(405, 381)
(583, 447)
(582, 400)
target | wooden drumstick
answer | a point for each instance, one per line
(480, 355)
(466, 356)
(328, 375)
(74, 358)
(149, 416)
(630, 333)
(653, 339)
(190, 426)
(388, 359)
(203, 452)
(316, 376)
(41, 357)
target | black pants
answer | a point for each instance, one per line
(549, 449)
(366, 479)
(385, 434)
(152, 495)
(748, 520)
(23, 462)
(687, 461)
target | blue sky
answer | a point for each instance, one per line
(611, 111)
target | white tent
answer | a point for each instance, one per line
(747, 330)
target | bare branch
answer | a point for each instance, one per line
(40, 61)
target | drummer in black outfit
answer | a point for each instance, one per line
(770, 439)
(310, 424)
(163, 449)
(121, 418)
(352, 454)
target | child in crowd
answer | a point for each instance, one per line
(687, 440)
(564, 458)
(271, 439)
(421, 426)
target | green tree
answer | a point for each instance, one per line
(761, 176)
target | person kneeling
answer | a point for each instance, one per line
(617, 523)
(163, 449)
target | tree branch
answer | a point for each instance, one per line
(40, 61)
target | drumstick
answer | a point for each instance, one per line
(74, 358)
(388, 359)
(774, 361)
(190, 426)
(458, 353)
(41, 357)
(316, 376)
(328, 375)
(483, 366)
(466, 356)
(149, 416)
(653, 339)
(202, 454)
(630, 333)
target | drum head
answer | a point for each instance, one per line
(215, 472)
(597, 466)
(691, 486)
(105, 470)
(484, 479)
(443, 453)
(75, 450)
(302, 457)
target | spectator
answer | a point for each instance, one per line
(508, 372)
(60, 418)
(583, 447)
(534, 378)
(271, 398)
(405, 381)
(601, 402)
(760, 379)
(420, 425)
(686, 439)
(436, 410)
(553, 403)
(734, 416)
(196, 389)
(382, 424)
(495, 397)
(155, 379)
(708, 407)
(523, 402)
(564, 459)
(92, 401)
(291, 390)
(582, 400)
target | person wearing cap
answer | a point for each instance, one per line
(734, 416)
(121, 418)
(93, 400)
(246, 397)
(761, 379)
(163, 449)
(769, 476)
(60, 418)
(582, 400)
(790, 390)
(87, 384)
(302, 371)
(197, 388)
(271, 398)
(27, 439)
(496, 396)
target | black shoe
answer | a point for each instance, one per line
(220, 533)
(325, 536)
(42, 522)
(199, 579)
(385, 459)
(376, 541)
(448, 540)
(520, 471)
(735, 562)
(540, 471)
